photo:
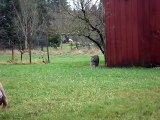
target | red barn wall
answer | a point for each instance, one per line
(133, 32)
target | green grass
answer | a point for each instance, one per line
(68, 89)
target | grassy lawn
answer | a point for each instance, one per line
(68, 89)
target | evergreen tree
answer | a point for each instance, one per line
(7, 34)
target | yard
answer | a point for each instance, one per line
(68, 89)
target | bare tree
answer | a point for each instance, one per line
(27, 18)
(20, 37)
(44, 29)
(88, 19)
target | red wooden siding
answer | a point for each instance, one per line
(133, 32)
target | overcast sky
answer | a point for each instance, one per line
(71, 2)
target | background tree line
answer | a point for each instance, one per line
(24, 24)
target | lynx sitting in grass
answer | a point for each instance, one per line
(94, 61)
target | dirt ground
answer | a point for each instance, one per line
(56, 52)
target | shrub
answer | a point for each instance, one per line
(54, 40)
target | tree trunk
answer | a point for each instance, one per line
(97, 43)
(41, 47)
(12, 52)
(21, 56)
(48, 54)
(29, 49)
(26, 43)
(30, 56)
